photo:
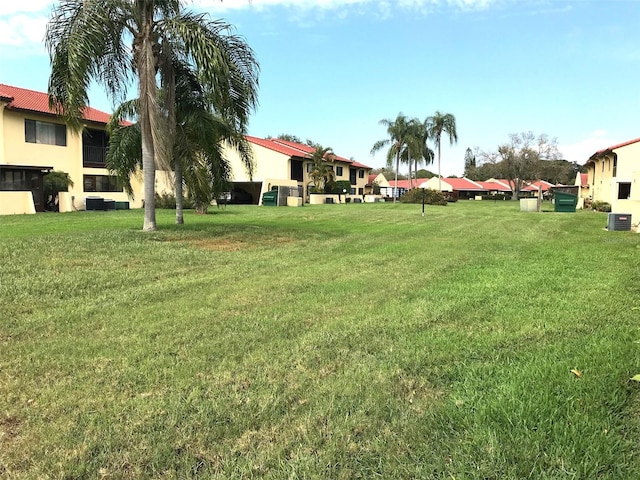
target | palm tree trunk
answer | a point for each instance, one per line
(409, 161)
(395, 191)
(145, 63)
(439, 174)
(179, 194)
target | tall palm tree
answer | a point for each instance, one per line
(87, 40)
(438, 124)
(197, 155)
(321, 171)
(416, 149)
(398, 131)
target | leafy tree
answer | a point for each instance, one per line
(398, 131)
(321, 173)
(438, 124)
(87, 40)
(469, 163)
(54, 183)
(423, 173)
(518, 160)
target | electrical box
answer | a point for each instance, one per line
(619, 221)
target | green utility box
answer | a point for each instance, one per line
(270, 198)
(122, 205)
(565, 202)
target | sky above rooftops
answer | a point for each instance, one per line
(331, 69)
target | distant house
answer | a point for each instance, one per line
(35, 141)
(533, 188)
(613, 176)
(287, 164)
(582, 181)
(464, 187)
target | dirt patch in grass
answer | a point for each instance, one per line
(231, 244)
(9, 429)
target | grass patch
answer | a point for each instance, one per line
(344, 341)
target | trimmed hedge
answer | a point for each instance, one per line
(431, 197)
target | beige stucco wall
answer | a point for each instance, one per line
(602, 183)
(273, 168)
(434, 184)
(14, 150)
(15, 203)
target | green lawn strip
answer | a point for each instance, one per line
(347, 341)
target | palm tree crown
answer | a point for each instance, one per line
(88, 40)
(438, 124)
(399, 132)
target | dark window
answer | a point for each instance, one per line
(94, 147)
(45, 133)
(361, 191)
(101, 183)
(615, 165)
(352, 176)
(309, 167)
(360, 173)
(296, 170)
(352, 191)
(624, 191)
(14, 180)
(338, 171)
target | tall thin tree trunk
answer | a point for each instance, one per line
(179, 194)
(145, 63)
(439, 174)
(410, 177)
(395, 192)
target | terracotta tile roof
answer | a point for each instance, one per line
(32, 101)
(406, 184)
(533, 187)
(295, 149)
(464, 184)
(613, 147)
(494, 186)
(276, 147)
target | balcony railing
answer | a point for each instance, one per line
(94, 156)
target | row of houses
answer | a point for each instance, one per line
(463, 187)
(34, 141)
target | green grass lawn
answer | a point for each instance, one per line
(330, 341)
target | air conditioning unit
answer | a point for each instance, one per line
(619, 221)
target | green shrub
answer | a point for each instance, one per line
(600, 206)
(168, 201)
(431, 197)
(341, 186)
(497, 196)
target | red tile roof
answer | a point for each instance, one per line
(533, 187)
(295, 149)
(613, 147)
(464, 184)
(32, 101)
(407, 184)
(494, 186)
(276, 147)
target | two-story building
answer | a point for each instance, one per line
(613, 176)
(288, 164)
(35, 141)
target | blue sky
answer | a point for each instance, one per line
(331, 69)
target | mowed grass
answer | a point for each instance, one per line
(330, 341)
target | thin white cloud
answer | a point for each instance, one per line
(384, 5)
(23, 32)
(581, 150)
(10, 7)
